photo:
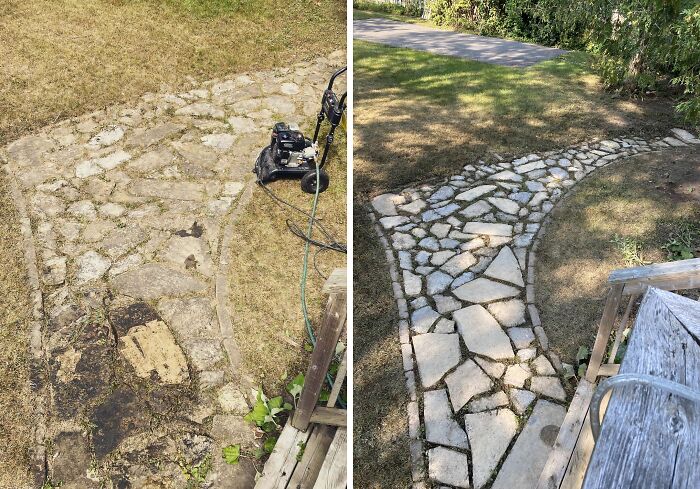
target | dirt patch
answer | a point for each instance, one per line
(381, 444)
(15, 397)
(621, 216)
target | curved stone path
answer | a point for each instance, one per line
(126, 217)
(486, 397)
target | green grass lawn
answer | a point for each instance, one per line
(421, 115)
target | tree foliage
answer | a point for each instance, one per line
(640, 45)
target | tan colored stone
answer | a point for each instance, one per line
(152, 347)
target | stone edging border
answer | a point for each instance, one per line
(36, 351)
(418, 463)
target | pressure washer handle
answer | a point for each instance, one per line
(335, 75)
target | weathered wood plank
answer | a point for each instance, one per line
(558, 460)
(283, 459)
(621, 328)
(306, 471)
(330, 416)
(606, 323)
(649, 438)
(338, 382)
(673, 270)
(328, 336)
(337, 282)
(608, 369)
(578, 463)
(333, 473)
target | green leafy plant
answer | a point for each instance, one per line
(196, 474)
(295, 387)
(302, 448)
(231, 454)
(583, 356)
(630, 248)
(265, 411)
(682, 242)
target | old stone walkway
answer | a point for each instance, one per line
(126, 217)
(486, 395)
(439, 41)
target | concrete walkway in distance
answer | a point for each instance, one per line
(478, 48)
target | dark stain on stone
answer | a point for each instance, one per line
(119, 416)
(549, 434)
(123, 319)
(92, 376)
(71, 460)
(190, 262)
(195, 230)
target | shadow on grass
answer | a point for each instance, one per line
(420, 115)
(644, 199)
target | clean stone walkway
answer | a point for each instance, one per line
(485, 392)
(125, 216)
(479, 48)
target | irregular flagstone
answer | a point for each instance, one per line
(475, 192)
(412, 284)
(423, 318)
(385, 204)
(494, 369)
(489, 436)
(492, 229)
(152, 348)
(466, 382)
(153, 280)
(448, 467)
(528, 456)
(438, 282)
(548, 386)
(482, 334)
(487, 403)
(505, 205)
(505, 267)
(168, 190)
(508, 313)
(436, 354)
(440, 426)
(521, 399)
(485, 290)
(458, 264)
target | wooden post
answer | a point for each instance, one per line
(604, 329)
(332, 327)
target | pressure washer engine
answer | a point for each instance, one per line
(292, 155)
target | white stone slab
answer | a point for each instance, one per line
(482, 334)
(489, 436)
(436, 354)
(505, 267)
(485, 290)
(475, 192)
(467, 381)
(440, 426)
(448, 467)
(488, 228)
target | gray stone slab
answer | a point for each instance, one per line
(489, 436)
(482, 334)
(467, 381)
(446, 42)
(505, 267)
(485, 290)
(448, 467)
(508, 313)
(436, 354)
(526, 459)
(440, 426)
(153, 281)
(422, 319)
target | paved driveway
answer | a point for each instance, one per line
(478, 48)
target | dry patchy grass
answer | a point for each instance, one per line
(15, 399)
(62, 58)
(266, 271)
(643, 199)
(420, 115)
(381, 451)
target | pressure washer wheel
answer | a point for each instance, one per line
(308, 181)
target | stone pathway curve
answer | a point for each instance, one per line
(486, 395)
(451, 43)
(126, 217)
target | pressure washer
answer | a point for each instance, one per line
(290, 154)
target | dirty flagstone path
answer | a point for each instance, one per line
(486, 397)
(126, 217)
